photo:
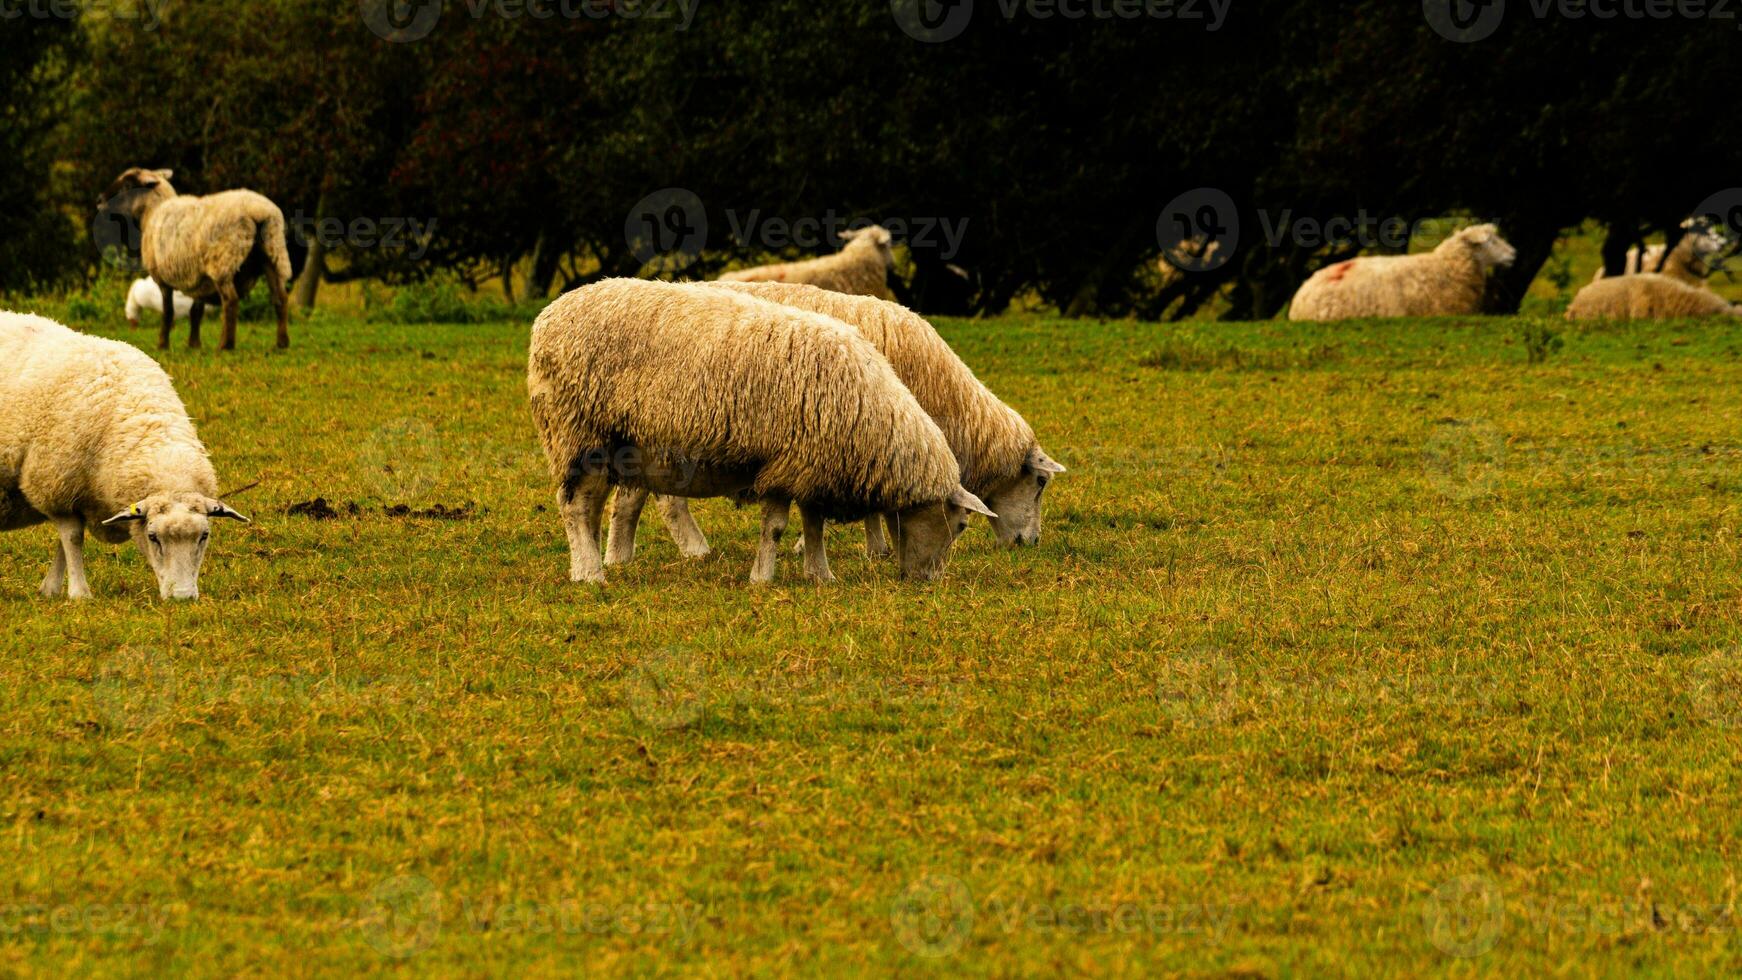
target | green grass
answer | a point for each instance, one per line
(1374, 649)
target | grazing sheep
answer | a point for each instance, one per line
(211, 248)
(92, 436)
(1647, 296)
(861, 268)
(691, 391)
(145, 295)
(1700, 253)
(1448, 281)
(1001, 461)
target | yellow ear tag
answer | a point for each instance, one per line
(137, 510)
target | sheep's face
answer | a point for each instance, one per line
(173, 531)
(879, 238)
(1490, 249)
(923, 534)
(1018, 501)
(1710, 246)
(135, 190)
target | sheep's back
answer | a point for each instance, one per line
(731, 380)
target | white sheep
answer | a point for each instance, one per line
(690, 391)
(1647, 296)
(147, 295)
(93, 437)
(1448, 281)
(211, 248)
(1002, 463)
(861, 268)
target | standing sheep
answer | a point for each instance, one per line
(1647, 296)
(91, 428)
(1001, 461)
(691, 391)
(211, 248)
(1449, 281)
(145, 295)
(861, 268)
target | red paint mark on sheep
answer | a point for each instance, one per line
(1340, 271)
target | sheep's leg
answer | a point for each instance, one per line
(682, 526)
(167, 321)
(581, 514)
(72, 546)
(280, 304)
(775, 514)
(232, 309)
(876, 545)
(816, 558)
(57, 572)
(196, 316)
(625, 517)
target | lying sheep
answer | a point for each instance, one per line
(1647, 296)
(1700, 253)
(1448, 281)
(146, 295)
(690, 391)
(211, 248)
(1001, 461)
(92, 436)
(861, 268)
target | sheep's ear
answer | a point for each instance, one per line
(128, 516)
(1040, 462)
(163, 175)
(968, 502)
(852, 233)
(221, 510)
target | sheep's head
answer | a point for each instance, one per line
(135, 190)
(1018, 500)
(173, 530)
(923, 534)
(876, 237)
(1484, 242)
(1708, 246)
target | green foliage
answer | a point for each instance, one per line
(432, 301)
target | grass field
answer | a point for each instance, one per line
(1378, 649)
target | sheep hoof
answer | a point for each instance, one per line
(594, 578)
(880, 552)
(825, 578)
(695, 551)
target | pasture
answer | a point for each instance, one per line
(1384, 648)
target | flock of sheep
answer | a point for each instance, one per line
(1452, 279)
(766, 390)
(800, 383)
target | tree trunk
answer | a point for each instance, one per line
(315, 266)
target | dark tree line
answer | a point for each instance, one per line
(529, 141)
